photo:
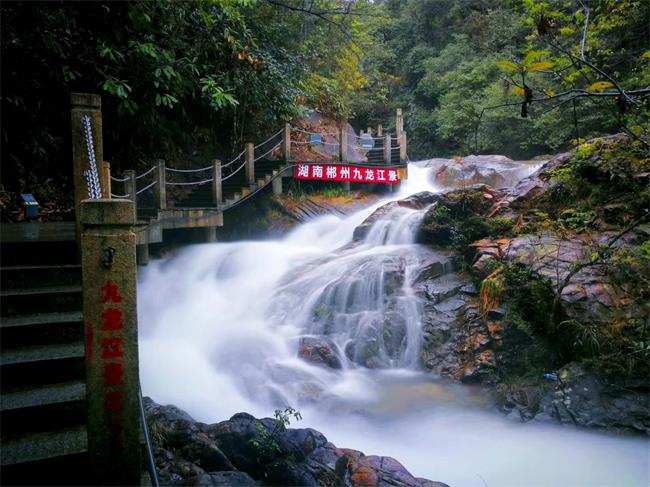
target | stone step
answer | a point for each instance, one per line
(42, 319)
(40, 291)
(40, 329)
(46, 299)
(42, 353)
(43, 396)
(45, 408)
(41, 446)
(32, 276)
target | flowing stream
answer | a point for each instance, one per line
(220, 327)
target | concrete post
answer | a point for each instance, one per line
(369, 132)
(110, 322)
(160, 188)
(346, 186)
(250, 163)
(82, 105)
(105, 178)
(217, 193)
(399, 123)
(380, 131)
(130, 189)
(142, 254)
(387, 149)
(343, 143)
(402, 147)
(276, 185)
(286, 143)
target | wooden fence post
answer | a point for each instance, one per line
(160, 188)
(110, 322)
(250, 163)
(105, 177)
(387, 149)
(84, 105)
(217, 195)
(286, 143)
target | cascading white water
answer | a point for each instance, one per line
(219, 332)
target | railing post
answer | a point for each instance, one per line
(82, 105)
(380, 131)
(250, 163)
(130, 189)
(160, 188)
(286, 143)
(110, 323)
(369, 132)
(387, 149)
(217, 195)
(343, 143)
(105, 177)
(399, 123)
(402, 147)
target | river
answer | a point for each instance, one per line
(219, 331)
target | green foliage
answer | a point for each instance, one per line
(459, 220)
(266, 444)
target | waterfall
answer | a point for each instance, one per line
(221, 326)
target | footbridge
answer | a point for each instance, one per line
(166, 197)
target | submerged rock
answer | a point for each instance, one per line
(263, 452)
(319, 351)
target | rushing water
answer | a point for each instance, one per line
(219, 331)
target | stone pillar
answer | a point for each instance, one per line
(142, 254)
(82, 105)
(402, 147)
(217, 193)
(160, 188)
(110, 322)
(209, 234)
(343, 143)
(369, 131)
(387, 148)
(345, 185)
(130, 189)
(250, 163)
(105, 178)
(380, 131)
(276, 185)
(286, 143)
(399, 123)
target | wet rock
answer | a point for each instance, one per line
(263, 452)
(214, 479)
(579, 397)
(319, 351)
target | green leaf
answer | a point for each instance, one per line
(599, 86)
(541, 66)
(509, 66)
(518, 90)
(533, 56)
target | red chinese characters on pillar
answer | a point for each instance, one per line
(112, 356)
(355, 174)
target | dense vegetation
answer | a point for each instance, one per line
(196, 79)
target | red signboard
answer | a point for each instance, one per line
(340, 172)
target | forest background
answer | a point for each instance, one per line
(195, 80)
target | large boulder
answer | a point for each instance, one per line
(319, 351)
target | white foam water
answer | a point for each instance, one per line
(219, 330)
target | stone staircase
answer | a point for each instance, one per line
(42, 370)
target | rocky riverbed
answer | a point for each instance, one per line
(244, 451)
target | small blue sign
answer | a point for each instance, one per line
(315, 139)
